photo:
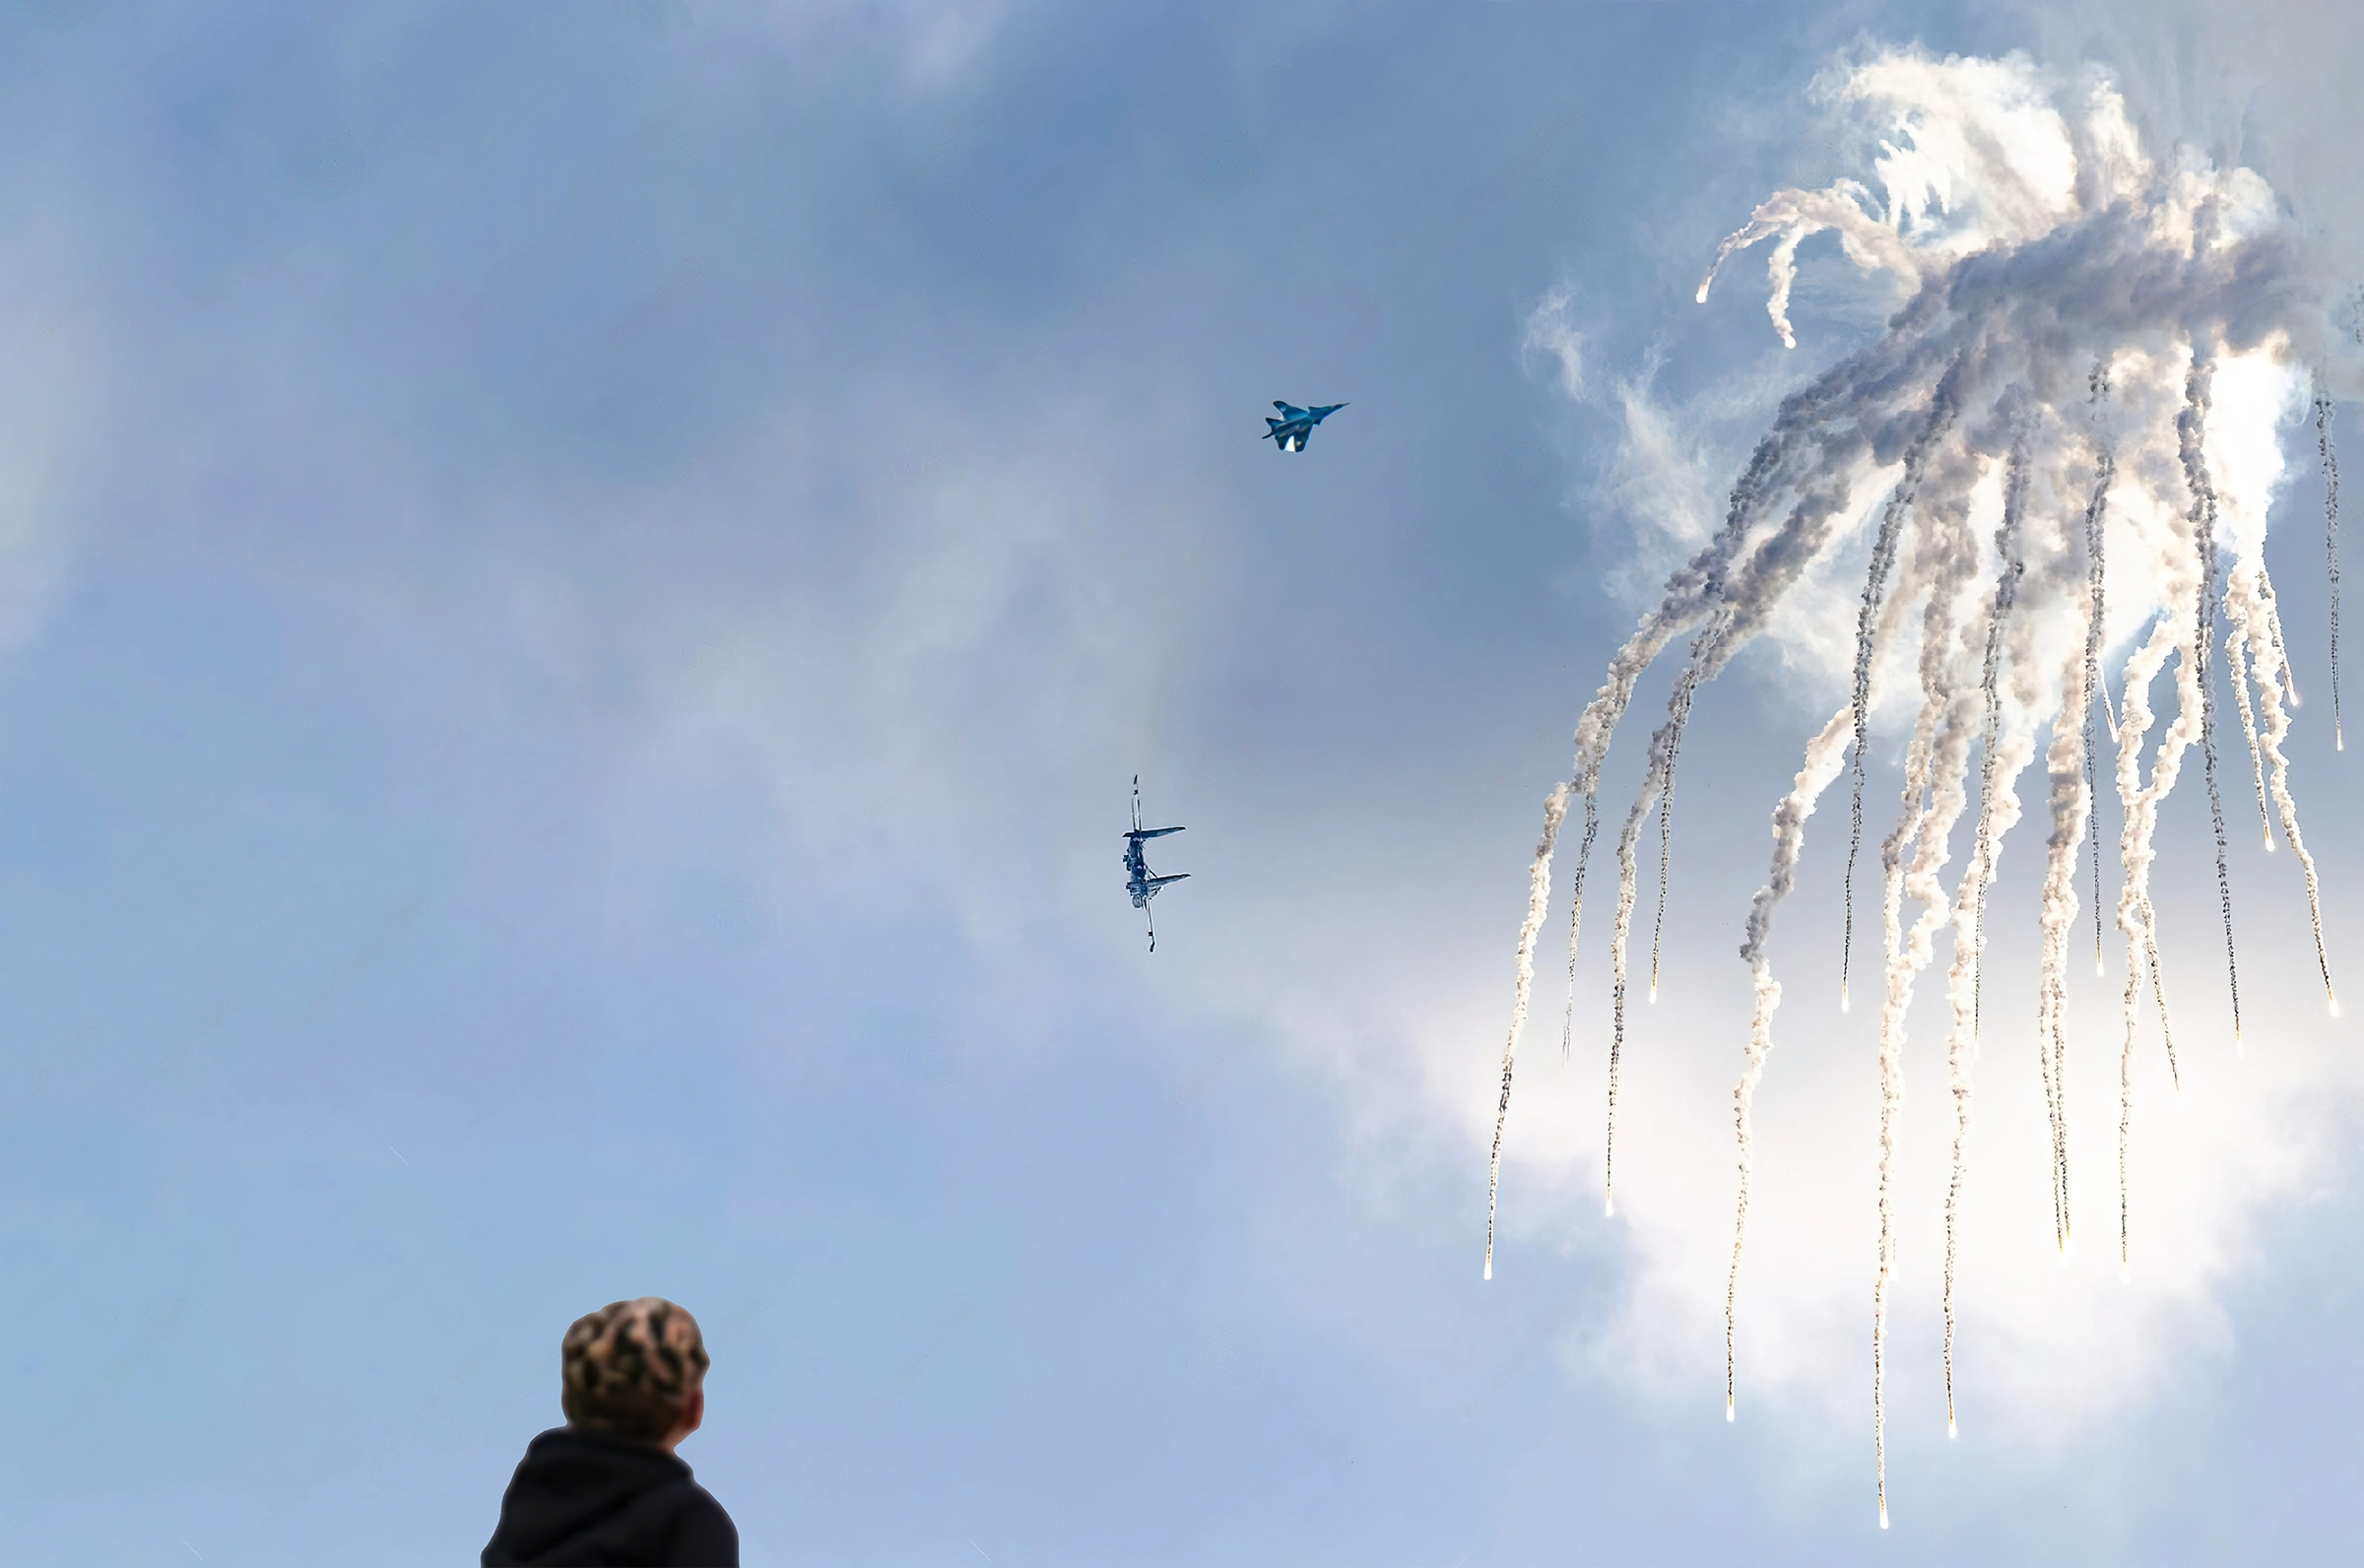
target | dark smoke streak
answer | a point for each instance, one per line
(2330, 544)
(2098, 577)
(1584, 859)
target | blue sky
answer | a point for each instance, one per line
(584, 587)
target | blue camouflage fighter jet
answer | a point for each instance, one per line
(1295, 425)
(1138, 881)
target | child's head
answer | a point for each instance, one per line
(632, 1369)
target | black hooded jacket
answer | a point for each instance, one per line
(579, 1501)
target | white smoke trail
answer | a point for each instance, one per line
(2331, 544)
(2249, 583)
(2097, 384)
(1999, 812)
(2141, 806)
(1883, 560)
(1913, 858)
(1950, 767)
(1748, 597)
(1689, 592)
(1793, 215)
(2073, 804)
(1665, 857)
(2190, 427)
(1821, 765)
(2105, 471)
(1654, 783)
(1584, 857)
(2281, 649)
(2007, 594)
(1961, 1055)
(2006, 750)
(1538, 902)
(2069, 764)
(2237, 615)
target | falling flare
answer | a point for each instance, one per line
(1912, 857)
(1821, 766)
(2075, 801)
(1998, 812)
(2249, 586)
(1538, 903)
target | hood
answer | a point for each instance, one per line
(570, 1480)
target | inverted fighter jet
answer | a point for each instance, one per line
(1295, 423)
(1138, 881)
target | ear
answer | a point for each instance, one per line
(694, 1413)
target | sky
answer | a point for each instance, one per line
(581, 589)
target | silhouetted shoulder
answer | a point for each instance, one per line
(704, 1536)
(579, 1500)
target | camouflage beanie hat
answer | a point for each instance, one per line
(630, 1366)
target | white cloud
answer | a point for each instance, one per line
(927, 46)
(53, 367)
(1551, 337)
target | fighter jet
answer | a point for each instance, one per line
(1295, 423)
(1138, 881)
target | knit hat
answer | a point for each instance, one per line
(630, 1366)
